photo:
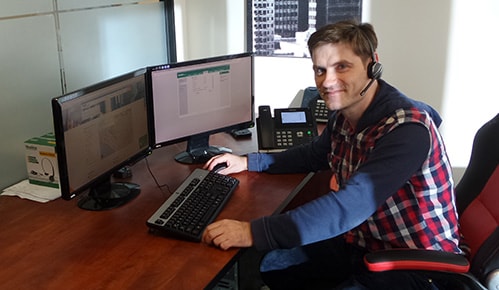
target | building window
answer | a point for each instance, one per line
(282, 27)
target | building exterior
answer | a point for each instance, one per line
(282, 27)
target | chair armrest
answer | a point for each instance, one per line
(492, 280)
(416, 259)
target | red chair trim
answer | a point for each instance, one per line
(412, 259)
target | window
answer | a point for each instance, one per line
(282, 27)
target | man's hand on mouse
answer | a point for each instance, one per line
(234, 163)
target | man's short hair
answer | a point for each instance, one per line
(360, 36)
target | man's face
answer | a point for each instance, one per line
(340, 76)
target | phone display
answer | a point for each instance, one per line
(296, 117)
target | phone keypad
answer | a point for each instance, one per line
(288, 138)
(320, 111)
(284, 138)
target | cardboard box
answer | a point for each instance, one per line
(41, 161)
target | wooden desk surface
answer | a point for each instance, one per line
(59, 246)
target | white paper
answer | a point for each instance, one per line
(38, 193)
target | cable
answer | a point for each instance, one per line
(155, 180)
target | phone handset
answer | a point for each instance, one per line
(265, 127)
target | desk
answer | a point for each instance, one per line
(59, 246)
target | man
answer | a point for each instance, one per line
(391, 185)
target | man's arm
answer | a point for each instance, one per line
(393, 161)
(305, 158)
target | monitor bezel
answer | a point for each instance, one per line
(66, 192)
(150, 103)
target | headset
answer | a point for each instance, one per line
(51, 175)
(374, 68)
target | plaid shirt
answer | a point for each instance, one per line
(422, 213)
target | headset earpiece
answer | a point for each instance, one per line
(374, 70)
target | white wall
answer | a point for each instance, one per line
(470, 94)
(209, 28)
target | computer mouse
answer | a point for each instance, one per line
(219, 167)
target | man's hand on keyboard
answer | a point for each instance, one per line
(227, 233)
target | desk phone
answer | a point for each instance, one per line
(288, 127)
(312, 100)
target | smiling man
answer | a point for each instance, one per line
(391, 184)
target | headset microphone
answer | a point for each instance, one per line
(364, 91)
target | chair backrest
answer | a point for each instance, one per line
(484, 160)
(477, 197)
(481, 217)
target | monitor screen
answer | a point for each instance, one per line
(99, 130)
(191, 100)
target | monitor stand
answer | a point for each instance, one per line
(109, 195)
(199, 151)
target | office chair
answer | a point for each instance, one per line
(477, 200)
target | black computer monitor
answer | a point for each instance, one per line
(191, 100)
(99, 130)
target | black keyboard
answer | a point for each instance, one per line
(194, 205)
